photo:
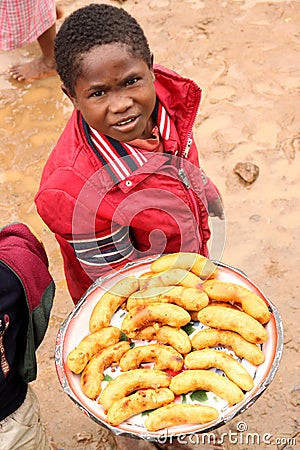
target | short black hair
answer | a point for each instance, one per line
(90, 26)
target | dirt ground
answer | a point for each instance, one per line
(245, 56)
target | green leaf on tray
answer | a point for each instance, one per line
(188, 328)
(145, 413)
(107, 378)
(123, 337)
(200, 396)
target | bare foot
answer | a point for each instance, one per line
(33, 70)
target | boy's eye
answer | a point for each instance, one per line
(132, 81)
(97, 94)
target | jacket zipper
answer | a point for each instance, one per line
(185, 180)
(187, 147)
(182, 174)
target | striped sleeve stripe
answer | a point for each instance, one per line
(118, 247)
(88, 244)
(112, 248)
(103, 259)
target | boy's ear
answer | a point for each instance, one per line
(69, 95)
(151, 66)
(152, 61)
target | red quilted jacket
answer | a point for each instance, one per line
(159, 206)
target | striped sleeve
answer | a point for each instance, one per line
(99, 252)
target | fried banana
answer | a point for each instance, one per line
(162, 313)
(179, 414)
(172, 277)
(133, 380)
(92, 374)
(191, 299)
(142, 400)
(230, 319)
(194, 314)
(242, 348)
(91, 344)
(208, 358)
(176, 337)
(250, 302)
(111, 301)
(198, 264)
(164, 357)
(193, 380)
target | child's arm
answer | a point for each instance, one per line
(214, 200)
(213, 197)
(102, 251)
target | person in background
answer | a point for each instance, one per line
(23, 22)
(26, 297)
(123, 181)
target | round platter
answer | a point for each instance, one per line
(76, 327)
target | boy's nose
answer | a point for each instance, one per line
(120, 103)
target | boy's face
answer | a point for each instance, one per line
(115, 93)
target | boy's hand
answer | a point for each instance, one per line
(215, 208)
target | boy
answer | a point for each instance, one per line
(123, 181)
(26, 296)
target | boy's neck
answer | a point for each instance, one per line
(147, 133)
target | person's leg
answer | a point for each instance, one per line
(59, 12)
(41, 67)
(23, 430)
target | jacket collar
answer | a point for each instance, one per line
(119, 158)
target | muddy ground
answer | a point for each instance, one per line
(245, 56)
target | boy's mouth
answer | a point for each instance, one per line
(125, 122)
(126, 125)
